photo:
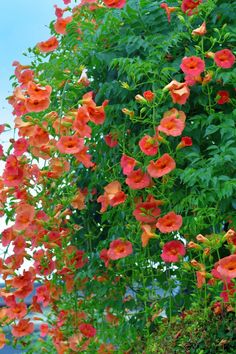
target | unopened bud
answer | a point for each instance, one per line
(207, 251)
(201, 238)
(192, 244)
(140, 99)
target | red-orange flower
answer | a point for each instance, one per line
(193, 66)
(57, 166)
(119, 249)
(200, 31)
(127, 164)
(231, 236)
(111, 139)
(36, 105)
(23, 328)
(224, 58)
(20, 146)
(61, 23)
(84, 157)
(38, 92)
(115, 3)
(96, 113)
(188, 6)
(176, 113)
(179, 91)
(113, 196)
(17, 310)
(83, 79)
(223, 97)
(103, 256)
(171, 125)
(185, 141)
(82, 117)
(227, 267)
(169, 222)
(147, 234)
(70, 144)
(2, 128)
(87, 330)
(201, 278)
(44, 329)
(24, 216)
(165, 164)
(148, 211)
(2, 340)
(138, 179)
(228, 291)
(49, 45)
(148, 145)
(172, 251)
(149, 95)
(168, 10)
(13, 173)
(78, 200)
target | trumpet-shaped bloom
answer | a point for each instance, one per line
(111, 139)
(48, 46)
(148, 145)
(138, 180)
(96, 113)
(36, 105)
(24, 216)
(119, 249)
(189, 6)
(148, 211)
(224, 97)
(172, 251)
(169, 222)
(227, 267)
(149, 95)
(165, 164)
(115, 3)
(113, 196)
(193, 66)
(185, 141)
(171, 125)
(3, 340)
(224, 58)
(87, 330)
(61, 23)
(23, 328)
(127, 164)
(70, 144)
(147, 234)
(13, 173)
(20, 146)
(179, 91)
(38, 92)
(200, 31)
(78, 201)
(168, 10)
(85, 158)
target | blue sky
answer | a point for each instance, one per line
(23, 23)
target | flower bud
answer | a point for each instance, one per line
(192, 244)
(128, 112)
(200, 31)
(140, 99)
(210, 55)
(201, 238)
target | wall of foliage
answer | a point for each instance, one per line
(120, 182)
